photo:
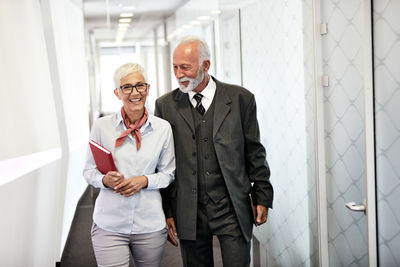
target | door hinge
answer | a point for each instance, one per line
(325, 80)
(323, 28)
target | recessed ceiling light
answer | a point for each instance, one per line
(123, 25)
(129, 8)
(196, 22)
(125, 20)
(215, 11)
(203, 17)
(126, 15)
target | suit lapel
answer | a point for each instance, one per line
(183, 107)
(222, 107)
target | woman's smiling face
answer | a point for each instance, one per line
(135, 101)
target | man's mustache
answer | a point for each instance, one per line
(185, 79)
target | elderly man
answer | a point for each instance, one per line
(218, 157)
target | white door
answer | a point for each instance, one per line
(347, 214)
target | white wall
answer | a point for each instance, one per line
(44, 106)
(67, 18)
(26, 95)
(273, 69)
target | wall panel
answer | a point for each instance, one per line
(273, 69)
(28, 119)
(38, 204)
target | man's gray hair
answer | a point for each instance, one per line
(125, 70)
(204, 51)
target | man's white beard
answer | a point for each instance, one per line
(193, 83)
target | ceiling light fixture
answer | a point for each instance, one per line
(129, 8)
(126, 15)
(195, 22)
(125, 20)
(203, 17)
(215, 11)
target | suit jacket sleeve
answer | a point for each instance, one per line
(255, 155)
(165, 192)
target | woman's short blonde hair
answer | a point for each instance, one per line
(125, 70)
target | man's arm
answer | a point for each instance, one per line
(256, 164)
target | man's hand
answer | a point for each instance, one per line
(262, 214)
(112, 179)
(131, 186)
(172, 235)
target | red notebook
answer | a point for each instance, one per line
(102, 157)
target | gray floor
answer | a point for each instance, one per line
(78, 250)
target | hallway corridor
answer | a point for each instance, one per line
(325, 75)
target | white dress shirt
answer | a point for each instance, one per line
(208, 95)
(142, 212)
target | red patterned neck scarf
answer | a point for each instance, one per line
(132, 127)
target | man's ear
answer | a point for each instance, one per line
(206, 65)
(116, 93)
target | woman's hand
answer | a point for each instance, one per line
(113, 179)
(132, 185)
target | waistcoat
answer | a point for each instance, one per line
(211, 184)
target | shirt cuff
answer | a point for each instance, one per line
(99, 181)
(152, 181)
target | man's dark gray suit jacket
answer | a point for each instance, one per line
(240, 154)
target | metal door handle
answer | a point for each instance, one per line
(352, 206)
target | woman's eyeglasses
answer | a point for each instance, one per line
(128, 88)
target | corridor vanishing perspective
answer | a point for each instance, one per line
(326, 78)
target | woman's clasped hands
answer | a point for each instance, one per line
(125, 187)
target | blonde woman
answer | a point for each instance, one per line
(128, 216)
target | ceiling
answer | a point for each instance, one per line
(102, 17)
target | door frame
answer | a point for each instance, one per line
(369, 116)
(319, 134)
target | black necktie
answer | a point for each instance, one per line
(199, 107)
